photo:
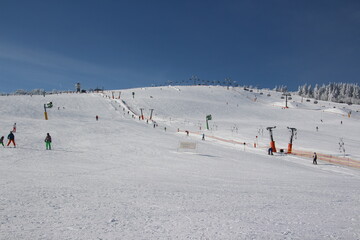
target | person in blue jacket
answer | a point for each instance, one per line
(11, 138)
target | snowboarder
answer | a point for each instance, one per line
(48, 141)
(14, 128)
(11, 138)
(315, 158)
(97, 117)
(2, 141)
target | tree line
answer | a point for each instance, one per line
(335, 92)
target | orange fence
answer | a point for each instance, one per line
(218, 138)
(345, 161)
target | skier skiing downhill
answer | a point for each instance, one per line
(48, 141)
(11, 138)
(14, 128)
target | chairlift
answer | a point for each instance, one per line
(289, 98)
(282, 97)
(315, 102)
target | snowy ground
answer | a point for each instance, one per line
(120, 178)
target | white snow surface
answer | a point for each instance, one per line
(121, 178)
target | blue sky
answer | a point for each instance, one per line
(123, 44)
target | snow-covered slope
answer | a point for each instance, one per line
(121, 178)
(250, 113)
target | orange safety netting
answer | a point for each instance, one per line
(346, 161)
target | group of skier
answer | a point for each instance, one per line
(314, 157)
(11, 139)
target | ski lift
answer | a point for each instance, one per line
(261, 93)
(289, 98)
(282, 97)
(308, 100)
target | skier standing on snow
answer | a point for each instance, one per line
(48, 141)
(315, 158)
(2, 141)
(11, 138)
(97, 117)
(14, 128)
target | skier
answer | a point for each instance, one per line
(14, 128)
(315, 158)
(203, 136)
(97, 117)
(2, 141)
(11, 138)
(270, 151)
(48, 141)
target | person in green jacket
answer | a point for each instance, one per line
(2, 141)
(48, 141)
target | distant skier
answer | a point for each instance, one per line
(317, 128)
(97, 117)
(11, 138)
(2, 141)
(48, 141)
(203, 137)
(14, 128)
(270, 151)
(315, 158)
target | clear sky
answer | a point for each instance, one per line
(133, 43)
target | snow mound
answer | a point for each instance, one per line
(342, 111)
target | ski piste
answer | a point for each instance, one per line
(121, 178)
